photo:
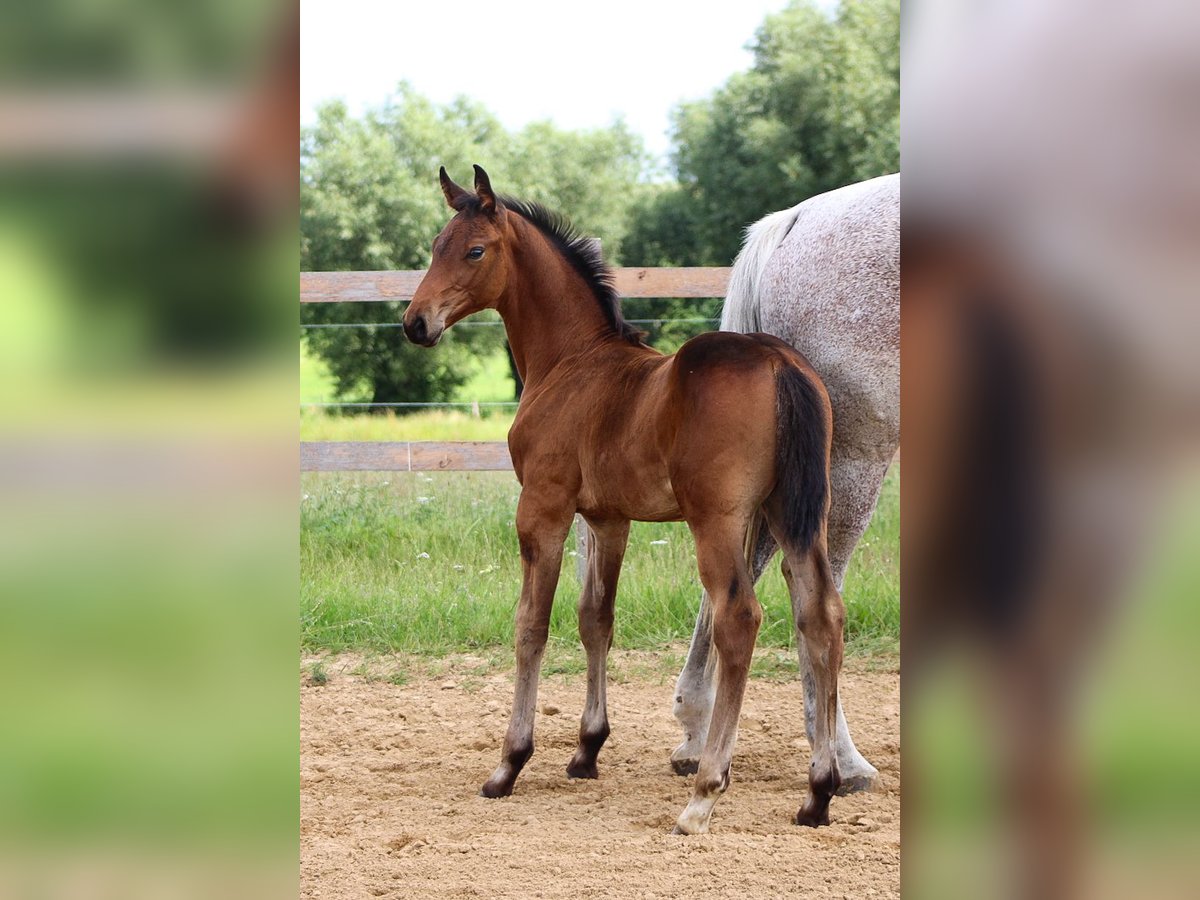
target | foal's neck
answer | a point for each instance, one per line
(549, 311)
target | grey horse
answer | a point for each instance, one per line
(825, 277)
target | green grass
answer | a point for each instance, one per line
(430, 425)
(317, 674)
(488, 380)
(316, 382)
(428, 563)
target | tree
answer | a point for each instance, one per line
(819, 108)
(370, 200)
(366, 203)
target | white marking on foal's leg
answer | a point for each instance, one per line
(698, 813)
(736, 617)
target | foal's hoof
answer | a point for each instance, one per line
(812, 818)
(685, 766)
(582, 770)
(492, 790)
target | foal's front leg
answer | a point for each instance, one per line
(606, 549)
(542, 526)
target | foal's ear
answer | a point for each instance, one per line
(483, 189)
(451, 190)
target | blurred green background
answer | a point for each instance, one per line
(148, 629)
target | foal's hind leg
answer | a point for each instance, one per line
(695, 689)
(606, 549)
(855, 488)
(542, 526)
(736, 617)
(856, 476)
(819, 617)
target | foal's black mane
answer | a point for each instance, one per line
(580, 251)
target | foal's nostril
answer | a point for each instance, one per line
(415, 330)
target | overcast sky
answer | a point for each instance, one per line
(578, 64)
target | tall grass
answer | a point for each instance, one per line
(428, 563)
(428, 425)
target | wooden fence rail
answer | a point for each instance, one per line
(375, 287)
(457, 456)
(404, 456)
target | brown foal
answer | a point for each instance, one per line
(730, 434)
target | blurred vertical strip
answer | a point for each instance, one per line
(148, 263)
(1051, 309)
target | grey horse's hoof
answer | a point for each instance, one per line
(864, 783)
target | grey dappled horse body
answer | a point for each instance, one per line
(825, 277)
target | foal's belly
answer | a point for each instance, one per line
(642, 499)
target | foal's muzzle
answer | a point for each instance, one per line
(419, 332)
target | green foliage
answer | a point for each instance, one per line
(370, 200)
(662, 228)
(120, 42)
(819, 108)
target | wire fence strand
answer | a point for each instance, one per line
(470, 404)
(467, 404)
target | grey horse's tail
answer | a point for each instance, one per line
(741, 310)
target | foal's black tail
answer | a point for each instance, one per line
(801, 457)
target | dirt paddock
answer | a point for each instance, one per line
(389, 776)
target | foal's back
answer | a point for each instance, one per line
(643, 432)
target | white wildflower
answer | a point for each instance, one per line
(422, 556)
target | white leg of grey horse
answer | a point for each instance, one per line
(856, 484)
(695, 692)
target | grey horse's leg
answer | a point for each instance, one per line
(855, 485)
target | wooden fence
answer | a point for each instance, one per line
(456, 456)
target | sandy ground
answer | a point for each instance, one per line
(389, 775)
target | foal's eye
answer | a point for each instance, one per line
(476, 253)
